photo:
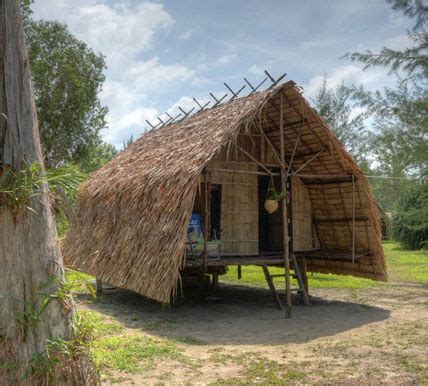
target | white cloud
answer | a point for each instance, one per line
(185, 35)
(150, 76)
(187, 104)
(256, 70)
(137, 118)
(132, 124)
(226, 59)
(348, 74)
(399, 42)
(114, 30)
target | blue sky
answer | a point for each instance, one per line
(160, 54)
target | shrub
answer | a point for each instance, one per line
(410, 220)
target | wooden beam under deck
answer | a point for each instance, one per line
(276, 258)
(321, 220)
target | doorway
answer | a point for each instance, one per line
(215, 212)
(270, 225)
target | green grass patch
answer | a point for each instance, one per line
(257, 369)
(411, 266)
(114, 350)
(131, 353)
(99, 325)
(80, 282)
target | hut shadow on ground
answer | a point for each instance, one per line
(235, 315)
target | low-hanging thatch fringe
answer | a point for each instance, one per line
(132, 214)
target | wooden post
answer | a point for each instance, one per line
(215, 279)
(353, 219)
(284, 214)
(98, 286)
(305, 274)
(205, 219)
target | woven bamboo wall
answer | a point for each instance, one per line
(304, 236)
(239, 201)
(239, 208)
(199, 203)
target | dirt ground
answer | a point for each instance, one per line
(235, 335)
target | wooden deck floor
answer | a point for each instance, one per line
(330, 254)
(270, 259)
(274, 258)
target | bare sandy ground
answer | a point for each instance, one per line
(235, 335)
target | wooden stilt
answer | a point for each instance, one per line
(304, 273)
(284, 214)
(353, 219)
(239, 272)
(215, 279)
(205, 219)
(296, 266)
(271, 286)
(298, 275)
(99, 286)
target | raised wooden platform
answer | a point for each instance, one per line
(330, 254)
(276, 258)
(271, 259)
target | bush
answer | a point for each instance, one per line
(410, 220)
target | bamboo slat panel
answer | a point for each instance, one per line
(303, 237)
(239, 207)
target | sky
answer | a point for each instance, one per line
(160, 54)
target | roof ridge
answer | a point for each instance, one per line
(217, 102)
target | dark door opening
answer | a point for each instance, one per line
(215, 210)
(270, 225)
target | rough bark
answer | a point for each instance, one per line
(29, 252)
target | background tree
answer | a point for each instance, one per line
(36, 310)
(401, 113)
(410, 220)
(67, 77)
(94, 156)
(400, 116)
(413, 61)
(336, 107)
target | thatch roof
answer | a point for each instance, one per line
(132, 214)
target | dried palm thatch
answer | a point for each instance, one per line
(132, 214)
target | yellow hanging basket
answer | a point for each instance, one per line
(273, 197)
(271, 206)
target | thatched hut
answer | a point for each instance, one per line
(132, 220)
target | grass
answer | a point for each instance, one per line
(410, 266)
(131, 353)
(100, 326)
(115, 350)
(257, 369)
(402, 264)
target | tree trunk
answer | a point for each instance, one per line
(30, 261)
